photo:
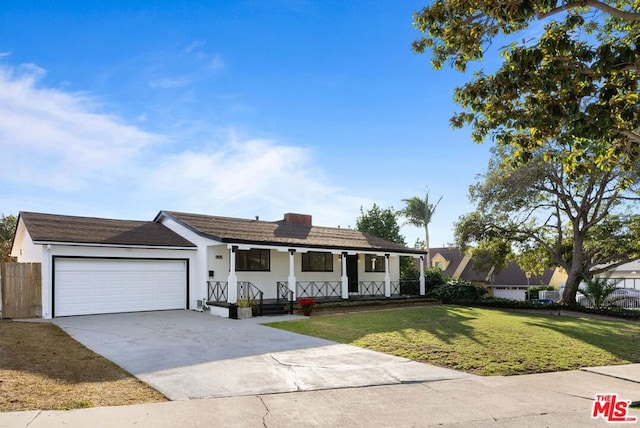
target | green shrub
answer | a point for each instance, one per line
(496, 302)
(433, 277)
(410, 287)
(457, 292)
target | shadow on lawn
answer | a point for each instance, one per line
(44, 349)
(620, 338)
(446, 323)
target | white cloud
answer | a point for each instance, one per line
(253, 177)
(58, 139)
(61, 153)
(217, 63)
(169, 83)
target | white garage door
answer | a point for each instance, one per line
(102, 286)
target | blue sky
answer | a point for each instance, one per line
(237, 108)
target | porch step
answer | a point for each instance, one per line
(274, 309)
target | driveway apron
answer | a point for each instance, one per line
(188, 355)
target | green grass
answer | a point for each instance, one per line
(481, 341)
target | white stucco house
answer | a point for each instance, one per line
(180, 260)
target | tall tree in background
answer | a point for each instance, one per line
(7, 229)
(585, 223)
(419, 212)
(381, 223)
(575, 84)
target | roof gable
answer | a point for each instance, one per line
(236, 230)
(513, 274)
(92, 230)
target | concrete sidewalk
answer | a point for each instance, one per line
(562, 399)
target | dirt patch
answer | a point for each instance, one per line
(42, 368)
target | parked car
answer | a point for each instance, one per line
(627, 298)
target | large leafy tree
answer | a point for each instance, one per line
(382, 223)
(419, 212)
(7, 229)
(537, 212)
(574, 83)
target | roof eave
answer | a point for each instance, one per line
(113, 245)
(408, 252)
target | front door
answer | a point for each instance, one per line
(352, 273)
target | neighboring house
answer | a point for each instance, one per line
(511, 282)
(178, 260)
(627, 274)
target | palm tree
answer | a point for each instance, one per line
(598, 291)
(418, 212)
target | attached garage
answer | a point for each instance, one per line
(85, 286)
(95, 265)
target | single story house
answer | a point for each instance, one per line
(181, 260)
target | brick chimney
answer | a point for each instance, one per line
(301, 219)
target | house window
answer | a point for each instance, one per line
(317, 262)
(373, 263)
(256, 259)
(438, 265)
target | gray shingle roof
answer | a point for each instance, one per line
(512, 275)
(91, 230)
(236, 230)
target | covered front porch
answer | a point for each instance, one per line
(256, 274)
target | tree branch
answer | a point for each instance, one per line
(622, 14)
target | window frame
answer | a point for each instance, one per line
(368, 263)
(305, 266)
(245, 254)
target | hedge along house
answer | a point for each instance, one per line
(288, 259)
(178, 260)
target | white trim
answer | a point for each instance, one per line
(286, 247)
(93, 244)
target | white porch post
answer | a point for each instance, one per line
(345, 280)
(422, 284)
(387, 277)
(292, 275)
(232, 282)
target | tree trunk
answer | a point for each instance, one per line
(574, 275)
(571, 286)
(426, 244)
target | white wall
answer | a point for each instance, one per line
(23, 247)
(200, 267)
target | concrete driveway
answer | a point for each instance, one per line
(188, 355)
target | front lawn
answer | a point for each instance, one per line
(482, 341)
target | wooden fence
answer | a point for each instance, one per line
(21, 289)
